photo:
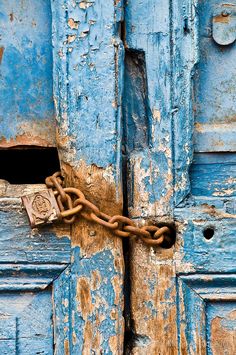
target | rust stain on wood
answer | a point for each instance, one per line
(221, 19)
(26, 139)
(153, 294)
(99, 187)
(96, 280)
(84, 298)
(1, 53)
(223, 334)
(67, 347)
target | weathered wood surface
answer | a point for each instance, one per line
(27, 110)
(87, 69)
(20, 244)
(166, 69)
(26, 323)
(30, 262)
(148, 137)
(180, 165)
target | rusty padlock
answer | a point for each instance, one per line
(41, 207)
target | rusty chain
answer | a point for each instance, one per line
(72, 202)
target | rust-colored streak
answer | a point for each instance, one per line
(96, 280)
(98, 187)
(221, 19)
(153, 295)
(26, 139)
(223, 334)
(66, 347)
(84, 297)
(1, 53)
(88, 336)
(11, 16)
(91, 340)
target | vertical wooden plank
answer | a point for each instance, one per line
(184, 59)
(148, 119)
(26, 83)
(87, 69)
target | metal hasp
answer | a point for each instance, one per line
(224, 24)
(41, 207)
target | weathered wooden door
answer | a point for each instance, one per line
(138, 99)
(180, 111)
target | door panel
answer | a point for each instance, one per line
(207, 314)
(30, 260)
(86, 299)
(26, 95)
(215, 82)
(26, 323)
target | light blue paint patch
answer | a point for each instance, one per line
(92, 59)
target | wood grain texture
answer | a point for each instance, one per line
(88, 64)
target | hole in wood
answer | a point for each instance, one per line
(208, 233)
(169, 242)
(28, 165)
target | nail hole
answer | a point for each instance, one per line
(208, 233)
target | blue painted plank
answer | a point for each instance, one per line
(18, 242)
(206, 319)
(148, 143)
(32, 314)
(87, 69)
(214, 86)
(147, 108)
(27, 110)
(195, 253)
(213, 175)
(28, 277)
(184, 59)
(62, 321)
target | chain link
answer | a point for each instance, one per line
(72, 202)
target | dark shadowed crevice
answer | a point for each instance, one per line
(135, 109)
(28, 165)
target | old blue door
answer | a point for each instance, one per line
(138, 98)
(179, 112)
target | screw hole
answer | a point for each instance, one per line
(208, 233)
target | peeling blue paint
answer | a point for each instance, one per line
(26, 70)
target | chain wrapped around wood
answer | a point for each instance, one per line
(72, 202)
(66, 203)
